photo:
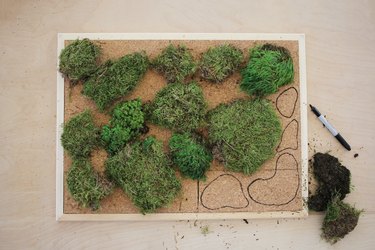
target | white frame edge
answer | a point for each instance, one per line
(62, 37)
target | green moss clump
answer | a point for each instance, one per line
(79, 60)
(179, 107)
(220, 62)
(80, 135)
(143, 171)
(115, 79)
(175, 63)
(341, 218)
(269, 68)
(244, 134)
(190, 155)
(86, 186)
(125, 124)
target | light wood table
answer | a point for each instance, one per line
(340, 38)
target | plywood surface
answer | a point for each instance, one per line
(340, 65)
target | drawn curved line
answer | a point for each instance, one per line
(294, 105)
(282, 135)
(243, 193)
(266, 179)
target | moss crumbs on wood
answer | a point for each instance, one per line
(115, 79)
(144, 172)
(220, 62)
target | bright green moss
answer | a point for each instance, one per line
(190, 155)
(175, 63)
(80, 135)
(86, 186)
(180, 107)
(125, 124)
(219, 62)
(269, 68)
(79, 60)
(116, 79)
(245, 133)
(143, 172)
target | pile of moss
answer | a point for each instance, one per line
(79, 60)
(86, 186)
(126, 122)
(180, 107)
(115, 79)
(80, 135)
(175, 63)
(269, 68)
(244, 133)
(220, 62)
(144, 172)
(190, 155)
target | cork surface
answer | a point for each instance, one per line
(275, 187)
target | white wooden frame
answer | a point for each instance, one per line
(62, 37)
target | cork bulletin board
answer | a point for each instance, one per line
(278, 189)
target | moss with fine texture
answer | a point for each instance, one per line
(144, 172)
(80, 135)
(115, 79)
(180, 107)
(269, 68)
(176, 63)
(244, 134)
(79, 60)
(86, 186)
(190, 155)
(219, 62)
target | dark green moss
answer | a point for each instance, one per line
(179, 107)
(269, 68)
(80, 135)
(86, 186)
(175, 63)
(125, 124)
(79, 60)
(115, 79)
(219, 62)
(190, 155)
(244, 134)
(144, 172)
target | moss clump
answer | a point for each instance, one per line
(220, 62)
(244, 134)
(341, 218)
(126, 122)
(79, 60)
(80, 135)
(178, 106)
(190, 155)
(175, 63)
(86, 186)
(115, 79)
(269, 68)
(143, 171)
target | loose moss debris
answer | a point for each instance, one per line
(79, 60)
(175, 63)
(143, 171)
(115, 79)
(190, 155)
(220, 62)
(341, 218)
(244, 134)
(80, 135)
(86, 186)
(269, 68)
(333, 178)
(126, 122)
(180, 107)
